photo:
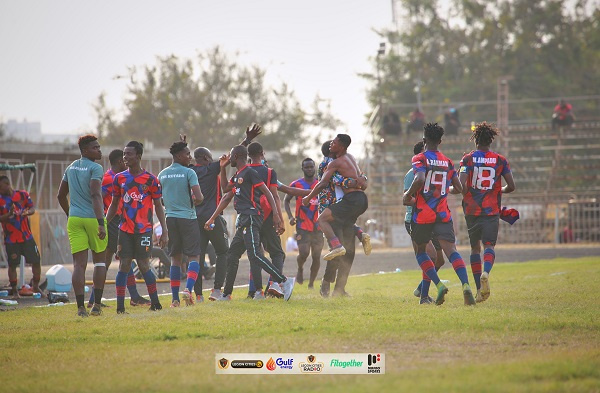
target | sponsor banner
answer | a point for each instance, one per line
(300, 363)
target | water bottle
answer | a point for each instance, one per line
(37, 295)
(212, 226)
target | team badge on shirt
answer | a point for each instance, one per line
(240, 180)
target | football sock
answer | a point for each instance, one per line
(476, 269)
(98, 295)
(425, 286)
(121, 283)
(192, 275)
(459, 267)
(91, 301)
(80, 300)
(358, 232)
(151, 285)
(428, 267)
(488, 259)
(175, 277)
(335, 242)
(131, 287)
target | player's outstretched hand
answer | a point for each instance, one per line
(182, 138)
(292, 221)
(253, 131)
(224, 160)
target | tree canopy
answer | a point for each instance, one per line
(551, 48)
(212, 99)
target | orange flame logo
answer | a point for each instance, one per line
(271, 364)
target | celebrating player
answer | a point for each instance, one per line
(139, 190)
(247, 236)
(480, 175)
(308, 233)
(434, 173)
(181, 192)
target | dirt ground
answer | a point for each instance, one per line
(380, 260)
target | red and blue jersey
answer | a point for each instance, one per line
(16, 229)
(107, 191)
(137, 195)
(306, 216)
(484, 185)
(431, 200)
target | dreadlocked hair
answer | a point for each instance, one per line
(484, 134)
(433, 132)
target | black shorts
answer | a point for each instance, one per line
(483, 229)
(423, 233)
(350, 207)
(434, 240)
(113, 234)
(135, 245)
(184, 236)
(28, 249)
(313, 238)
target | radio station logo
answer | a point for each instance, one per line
(373, 359)
(311, 366)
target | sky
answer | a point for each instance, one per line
(58, 56)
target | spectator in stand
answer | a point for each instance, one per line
(391, 124)
(563, 115)
(451, 121)
(417, 121)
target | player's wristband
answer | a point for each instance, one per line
(101, 221)
(279, 184)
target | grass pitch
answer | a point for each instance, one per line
(538, 332)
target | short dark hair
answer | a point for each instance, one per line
(3, 177)
(201, 151)
(255, 149)
(484, 133)
(138, 146)
(418, 147)
(325, 148)
(240, 149)
(307, 159)
(433, 132)
(345, 139)
(85, 140)
(115, 156)
(177, 147)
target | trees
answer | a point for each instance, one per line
(212, 99)
(551, 48)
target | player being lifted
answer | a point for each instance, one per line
(434, 174)
(480, 175)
